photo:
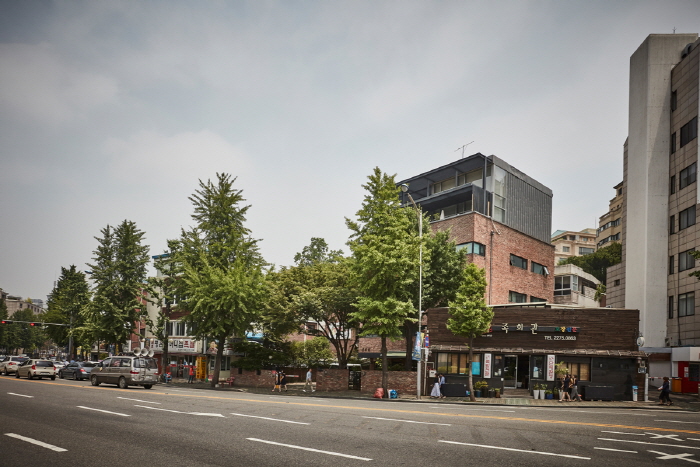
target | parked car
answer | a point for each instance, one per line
(76, 370)
(38, 368)
(126, 371)
(10, 364)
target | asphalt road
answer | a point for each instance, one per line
(70, 423)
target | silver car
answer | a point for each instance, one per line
(36, 368)
(10, 364)
(125, 371)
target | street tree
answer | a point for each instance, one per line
(469, 315)
(220, 267)
(597, 263)
(317, 252)
(385, 263)
(311, 352)
(119, 272)
(66, 304)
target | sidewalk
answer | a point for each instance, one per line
(511, 397)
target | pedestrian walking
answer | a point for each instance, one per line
(283, 382)
(575, 396)
(278, 379)
(564, 391)
(665, 392)
(435, 393)
(190, 380)
(309, 381)
(442, 384)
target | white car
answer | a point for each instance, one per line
(10, 364)
(38, 368)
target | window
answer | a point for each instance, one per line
(674, 100)
(686, 304)
(454, 363)
(473, 248)
(537, 268)
(456, 209)
(444, 185)
(565, 249)
(563, 285)
(671, 264)
(673, 143)
(672, 184)
(585, 251)
(672, 225)
(582, 371)
(536, 299)
(499, 194)
(686, 260)
(617, 282)
(689, 131)
(177, 328)
(473, 177)
(686, 218)
(688, 176)
(517, 261)
(670, 307)
(515, 297)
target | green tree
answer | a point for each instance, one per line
(469, 315)
(317, 252)
(385, 266)
(221, 268)
(22, 335)
(69, 298)
(5, 330)
(312, 352)
(119, 273)
(596, 264)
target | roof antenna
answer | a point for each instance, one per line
(462, 148)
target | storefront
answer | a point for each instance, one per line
(685, 363)
(524, 346)
(182, 353)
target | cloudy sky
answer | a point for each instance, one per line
(114, 110)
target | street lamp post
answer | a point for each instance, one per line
(419, 379)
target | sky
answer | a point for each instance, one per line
(115, 110)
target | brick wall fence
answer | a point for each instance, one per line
(332, 380)
(403, 381)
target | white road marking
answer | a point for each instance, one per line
(408, 421)
(645, 442)
(623, 433)
(104, 411)
(267, 418)
(683, 456)
(310, 449)
(616, 450)
(138, 400)
(38, 443)
(659, 435)
(516, 450)
(676, 421)
(178, 411)
(20, 395)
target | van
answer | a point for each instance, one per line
(125, 371)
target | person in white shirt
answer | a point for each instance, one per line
(309, 381)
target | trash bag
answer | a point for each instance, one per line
(379, 393)
(393, 394)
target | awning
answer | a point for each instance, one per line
(518, 350)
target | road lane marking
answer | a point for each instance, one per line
(267, 418)
(104, 411)
(623, 433)
(310, 449)
(683, 456)
(570, 456)
(616, 450)
(408, 421)
(204, 414)
(676, 421)
(37, 442)
(646, 442)
(20, 395)
(138, 400)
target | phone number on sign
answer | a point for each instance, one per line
(560, 338)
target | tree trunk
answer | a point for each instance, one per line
(472, 398)
(217, 362)
(409, 333)
(385, 368)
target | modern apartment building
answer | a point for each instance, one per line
(659, 211)
(609, 224)
(568, 243)
(501, 216)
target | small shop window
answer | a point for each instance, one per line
(497, 370)
(582, 371)
(538, 367)
(694, 372)
(455, 363)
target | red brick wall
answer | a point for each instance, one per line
(250, 379)
(403, 381)
(332, 380)
(374, 345)
(500, 275)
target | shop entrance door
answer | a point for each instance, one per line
(510, 371)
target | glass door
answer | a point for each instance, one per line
(510, 371)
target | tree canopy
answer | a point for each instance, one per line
(596, 264)
(66, 305)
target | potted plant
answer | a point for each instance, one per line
(480, 387)
(548, 394)
(498, 393)
(543, 388)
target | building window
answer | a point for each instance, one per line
(672, 224)
(670, 307)
(617, 282)
(673, 143)
(686, 260)
(457, 364)
(686, 218)
(515, 297)
(518, 262)
(585, 251)
(563, 285)
(672, 184)
(536, 299)
(686, 304)
(444, 185)
(565, 249)
(537, 268)
(582, 371)
(674, 100)
(688, 175)
(671, 264)
(177, 328)
(473, 248)
(689, 131)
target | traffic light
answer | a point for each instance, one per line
(5, 321)
(35, 324)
